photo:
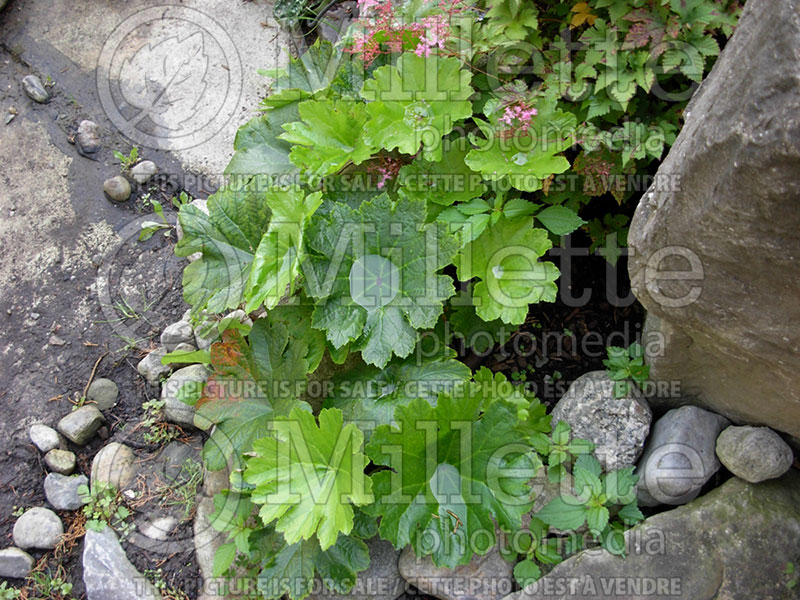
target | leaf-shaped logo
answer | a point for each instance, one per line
(166, 80)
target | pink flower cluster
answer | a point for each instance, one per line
(518, 117)
(436, 32)
(386, 169)
(385, 30)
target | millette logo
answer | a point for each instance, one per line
(169, 77)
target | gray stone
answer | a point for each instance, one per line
(117, 188)
(617, 426)
(150, 366)
(679, 456)
(87, 140)
(15, 563)
(44, 438)
(62, 492)
(714, 245)
(103, 392)
(159, 529)
(488, 577)
(177, 333)
(206, 542)
(107, 572)
(381, 580)
(38, 528)
(731, 543)
(175, 410)
(115, 465)
(173, 458)
(143, 171)
(203, 339)
(239, 315)
(754, 453)
(60, 461)
(80, 425)
(34, 89)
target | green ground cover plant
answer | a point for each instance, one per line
(434, 155)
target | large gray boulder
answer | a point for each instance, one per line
(731, 543)
(729, 223)
(488, 577)
(107, 572)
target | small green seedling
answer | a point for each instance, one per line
(625, 365)
(127, 161)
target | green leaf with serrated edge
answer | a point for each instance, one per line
(289, 568)
(276, 264)
(630, 514)
(290, 571)
(596, 518)
(564, 512)
(548, 553)
(528, 157)
(339, 564)
(505, 259)
(223, 558)
(374, 274)
(328, 136)
(612, 538)
(416, 103)
(312, 72)
(308, 475)
(445, 484)
(444, 182)
(586, 484)
(368, 396)
(619, 486)
(252, 382)
(526, 572)
(560, 220)
(296, 316)
(365, 526)
(517, 207)
(258, 150)
(227, 238)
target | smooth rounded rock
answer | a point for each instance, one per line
(34, 89)
(754, 453)
(143, 171)
(60, 461)
(38, 528)
(62, 492)
(44, 438)
(175, 410)
(103, 392)
(15, 563)
(618, 427)
(177, 333)
(117, 188)
(80, 425)
(115, 465)
(87, 140)
(159, 529)
(679, 457)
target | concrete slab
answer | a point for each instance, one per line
(171, 77)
